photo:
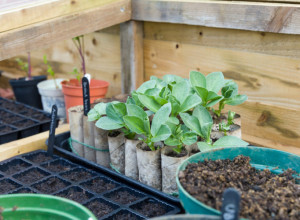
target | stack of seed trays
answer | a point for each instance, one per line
(106, 196)
(19, 121)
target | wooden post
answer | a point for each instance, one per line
(132, 55)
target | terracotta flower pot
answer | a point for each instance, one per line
(73, 92)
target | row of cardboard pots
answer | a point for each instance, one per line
(260, 158)
(41, 93)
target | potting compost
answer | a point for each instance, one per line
(265, 195)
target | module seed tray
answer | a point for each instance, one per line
(106, 194)
(19, 121)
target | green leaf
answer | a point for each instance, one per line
(160, 118)
(100, 108)
(202, 146)
(230, 141)
(162, 134)
(152, 92)
(168, 78)
(230, 89)
(135, 124)
(181, 91)
(212, 99)
(173, 120)
(172, 141)
(197, 79)
(134, 110)
(215, 81)
(146, 85)
(191, 122)
(149, 113)
(205, 120)
(236, 100)
(45, 59)
(149, 102)
(189, 138)
(134, 96)
(93, 115)
(175, 105)
(202, 92)
(116, 111)
(107, 123)
(160, 100)
(190, 102)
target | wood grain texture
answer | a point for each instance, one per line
(102, 53)
(264, 78)
(132, 55)
(43, 34)
(32, 143)
(16, 14)
(267, 17)
(260, 42)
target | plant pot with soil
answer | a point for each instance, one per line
(25, 88)
(51, 92)
(267, 178)
(72, 89)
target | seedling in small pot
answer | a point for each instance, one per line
(26, 66)
(207, 87)
(230, 96)
(50, 71)
(138, 122)
(224, 127)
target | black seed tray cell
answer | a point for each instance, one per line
(7, 185)
(16, 115)
(99, 185)
(31, 176)
(124, 214)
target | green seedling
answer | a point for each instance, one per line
(50, 71)
(138, 121)
(79, 44)
(223, 126)
(26, 66)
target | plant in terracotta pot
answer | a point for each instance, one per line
(25, 88)
(72, 89)
(51, 92)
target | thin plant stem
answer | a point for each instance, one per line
(29, 66)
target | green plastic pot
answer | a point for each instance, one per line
(261, 158)
(40, 207)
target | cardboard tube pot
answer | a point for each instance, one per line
(149, 165)
(192, 149)
(88, 139)
(235, 130)
(131, 167)
(116, 144)
(101, 143)
(169, 165)
(76, 127)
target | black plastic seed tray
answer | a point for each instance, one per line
(107, 194)
(18, 120)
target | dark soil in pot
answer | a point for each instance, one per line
(123, 197)
(99, 185)
(5, 129)
(264, 194)
(125, 216)
(24, 123)
(114, 133)
(76, 194)
(178, 155)
(6, 185)
(39, 158)
(12, 168)
(50, 185)
(99, 208)
(77, 175)
(150, 209)
(30, 176)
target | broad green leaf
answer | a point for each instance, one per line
(173, 120)
(190, 102)
(93, 115)
(146, 85)
(230, 89)
(100, 108)
(214, 101)
(202, 146)
(202, 92)
(172, 141)
(173, 127)
(191, 122)
(230, 141)
(135, 97)
(152, 92)
(135, 124)
(189, 138)
(181, 91)
(175, 105)
(107, 123)
(205, 120)
(172, 78)
(160, 117)
(197, 79)
(162, 134)
(160, 100)
(215, 81)
(236, 100)
(149, 102)
(130, 100)
(120, 108)
(165, 93)
(113, 114)
(134, 110)
(149, 113)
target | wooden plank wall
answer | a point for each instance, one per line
(266, 66)
(102, 54)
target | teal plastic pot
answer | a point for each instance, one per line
(261, 158)
(40, 207)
